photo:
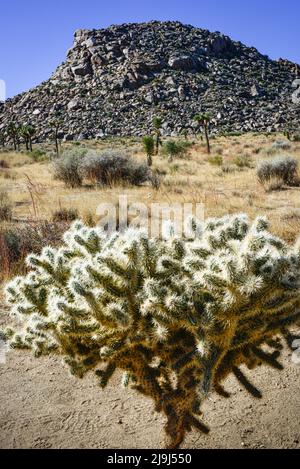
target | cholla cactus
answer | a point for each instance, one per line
(176, 316)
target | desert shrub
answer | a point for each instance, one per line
(215, 160)
(173, 149)
(174, 168)
(278, 146)
(4, 164)
(228, 168)
(65, 214)
(17, 241)
(218, 150)
(282, 145)
(9, 175)
(243, 161)
(177, 316)
(184, 147)
(109, 167)
(296, 138)
(37, 154)
(66, 168)
(5, 207)
(282, 170)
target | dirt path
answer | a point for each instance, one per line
(41, 406)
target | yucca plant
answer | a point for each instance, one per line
(13, 133)
(56, 124)
(157, 124)
(171, 149)
(185, 133)
(148, 143)
(203, 121)
(176, 316)
(27, 131)
(31, 131)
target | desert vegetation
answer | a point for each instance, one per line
(152, 115)
(235, 177)
(154, 310)
(278, 171)
(177, 317)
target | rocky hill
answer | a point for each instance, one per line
(115, 80)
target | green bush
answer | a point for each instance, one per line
(216, 160)
(37, 154)
(173, 149)
(243, 161)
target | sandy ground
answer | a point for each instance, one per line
(41, 406)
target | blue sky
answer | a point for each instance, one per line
(35, 34)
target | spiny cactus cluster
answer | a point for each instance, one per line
(177, 316)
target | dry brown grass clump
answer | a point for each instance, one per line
(17, 241)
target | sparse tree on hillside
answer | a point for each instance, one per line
(157, 124)
(27, 131)
(171, 149)
(148, 142)
(56, 125)
(287, 134)
(13, 134)
(31, 133)
(24, 135)
(185, 133)
(203, 121)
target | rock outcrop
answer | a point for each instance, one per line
(115, 80)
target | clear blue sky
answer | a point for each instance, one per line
(35, 34)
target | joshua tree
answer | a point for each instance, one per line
(287, 134)
(185, 133)
(148, 143)
(13, 133)
(171, 148)
(56, 125)
(31, 133)
(177, 316)
(203, 120)
(27, 131)
(157, 124)
(24, 135)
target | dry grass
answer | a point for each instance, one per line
(36, 195)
